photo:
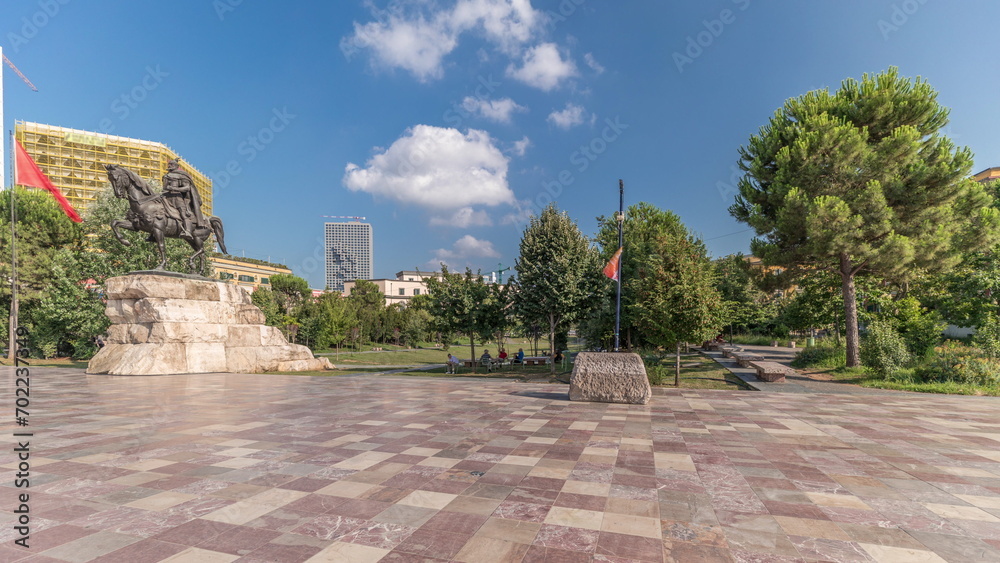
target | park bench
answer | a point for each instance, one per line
(536, 361)
(772, 372)
(728, 351)
(744, 358)
(495, 363)
(711, 345)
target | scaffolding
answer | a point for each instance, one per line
(74, 161)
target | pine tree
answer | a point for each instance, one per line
(862, 180)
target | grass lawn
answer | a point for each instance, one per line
(403, 357)
(697, 372)
(49, 363)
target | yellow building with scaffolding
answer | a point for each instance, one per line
(74, 161)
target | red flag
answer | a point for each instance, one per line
(611, 270)
(27, 173)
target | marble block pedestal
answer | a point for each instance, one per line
(163, 323)
(609, 377)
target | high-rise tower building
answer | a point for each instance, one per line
(348, 253)
(74, 160)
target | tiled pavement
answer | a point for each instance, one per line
(217, 468)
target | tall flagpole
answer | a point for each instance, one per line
(12, 347)
(621, 249)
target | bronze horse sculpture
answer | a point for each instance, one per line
(147, 213)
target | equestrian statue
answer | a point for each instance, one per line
(174, 213)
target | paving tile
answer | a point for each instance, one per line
(405, 469)
(90, 547)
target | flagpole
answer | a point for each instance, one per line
(621, 249)
(12, 347)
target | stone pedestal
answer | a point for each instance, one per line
(171, 324)
(608, 377)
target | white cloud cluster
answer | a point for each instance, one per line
(494, 110)
(418, 38)
(571, 116)
(463, 218)
(592, 63)
(543, 67)
(440, 169)
(465, 250)
(521, 147)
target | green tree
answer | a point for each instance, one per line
(746, 305)
(644, 225)
(919, 327)
(264, 300)
(334, 320)
(459, 303)
(289, 291)
(558, 274)
(416, 324)
(42, 230)
(68, 316)
(368, 304)
(969, 294)
(677, 297)
(861, 180)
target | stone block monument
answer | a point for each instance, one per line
(607, 377)
(168, 323)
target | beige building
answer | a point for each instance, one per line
(406, 286)
(988, 175)
(247, 273)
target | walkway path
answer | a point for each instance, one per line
(254, 468)
(797, 383)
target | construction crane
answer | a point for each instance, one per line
(499, 272)
(19, 73)
(355, 217)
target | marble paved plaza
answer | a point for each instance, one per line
(218, 468)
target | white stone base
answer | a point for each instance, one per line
(609, 377)
(164, 324)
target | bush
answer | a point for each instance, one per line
(954, 362)
(987, 338)
(921, 329)
(825, 355)
(883, 350)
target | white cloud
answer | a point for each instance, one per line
(520, 147)
(508, 23)
(571, 116)
(495, 110)
(463, 218)
(465, 249)
(543, 67)
(436, 168)
(592, 63)
(415, 45)
(418, 38)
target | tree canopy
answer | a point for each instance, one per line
(558, 273)
(862, 180)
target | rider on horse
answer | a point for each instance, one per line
(181, 199)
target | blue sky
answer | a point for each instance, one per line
(446, 122)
